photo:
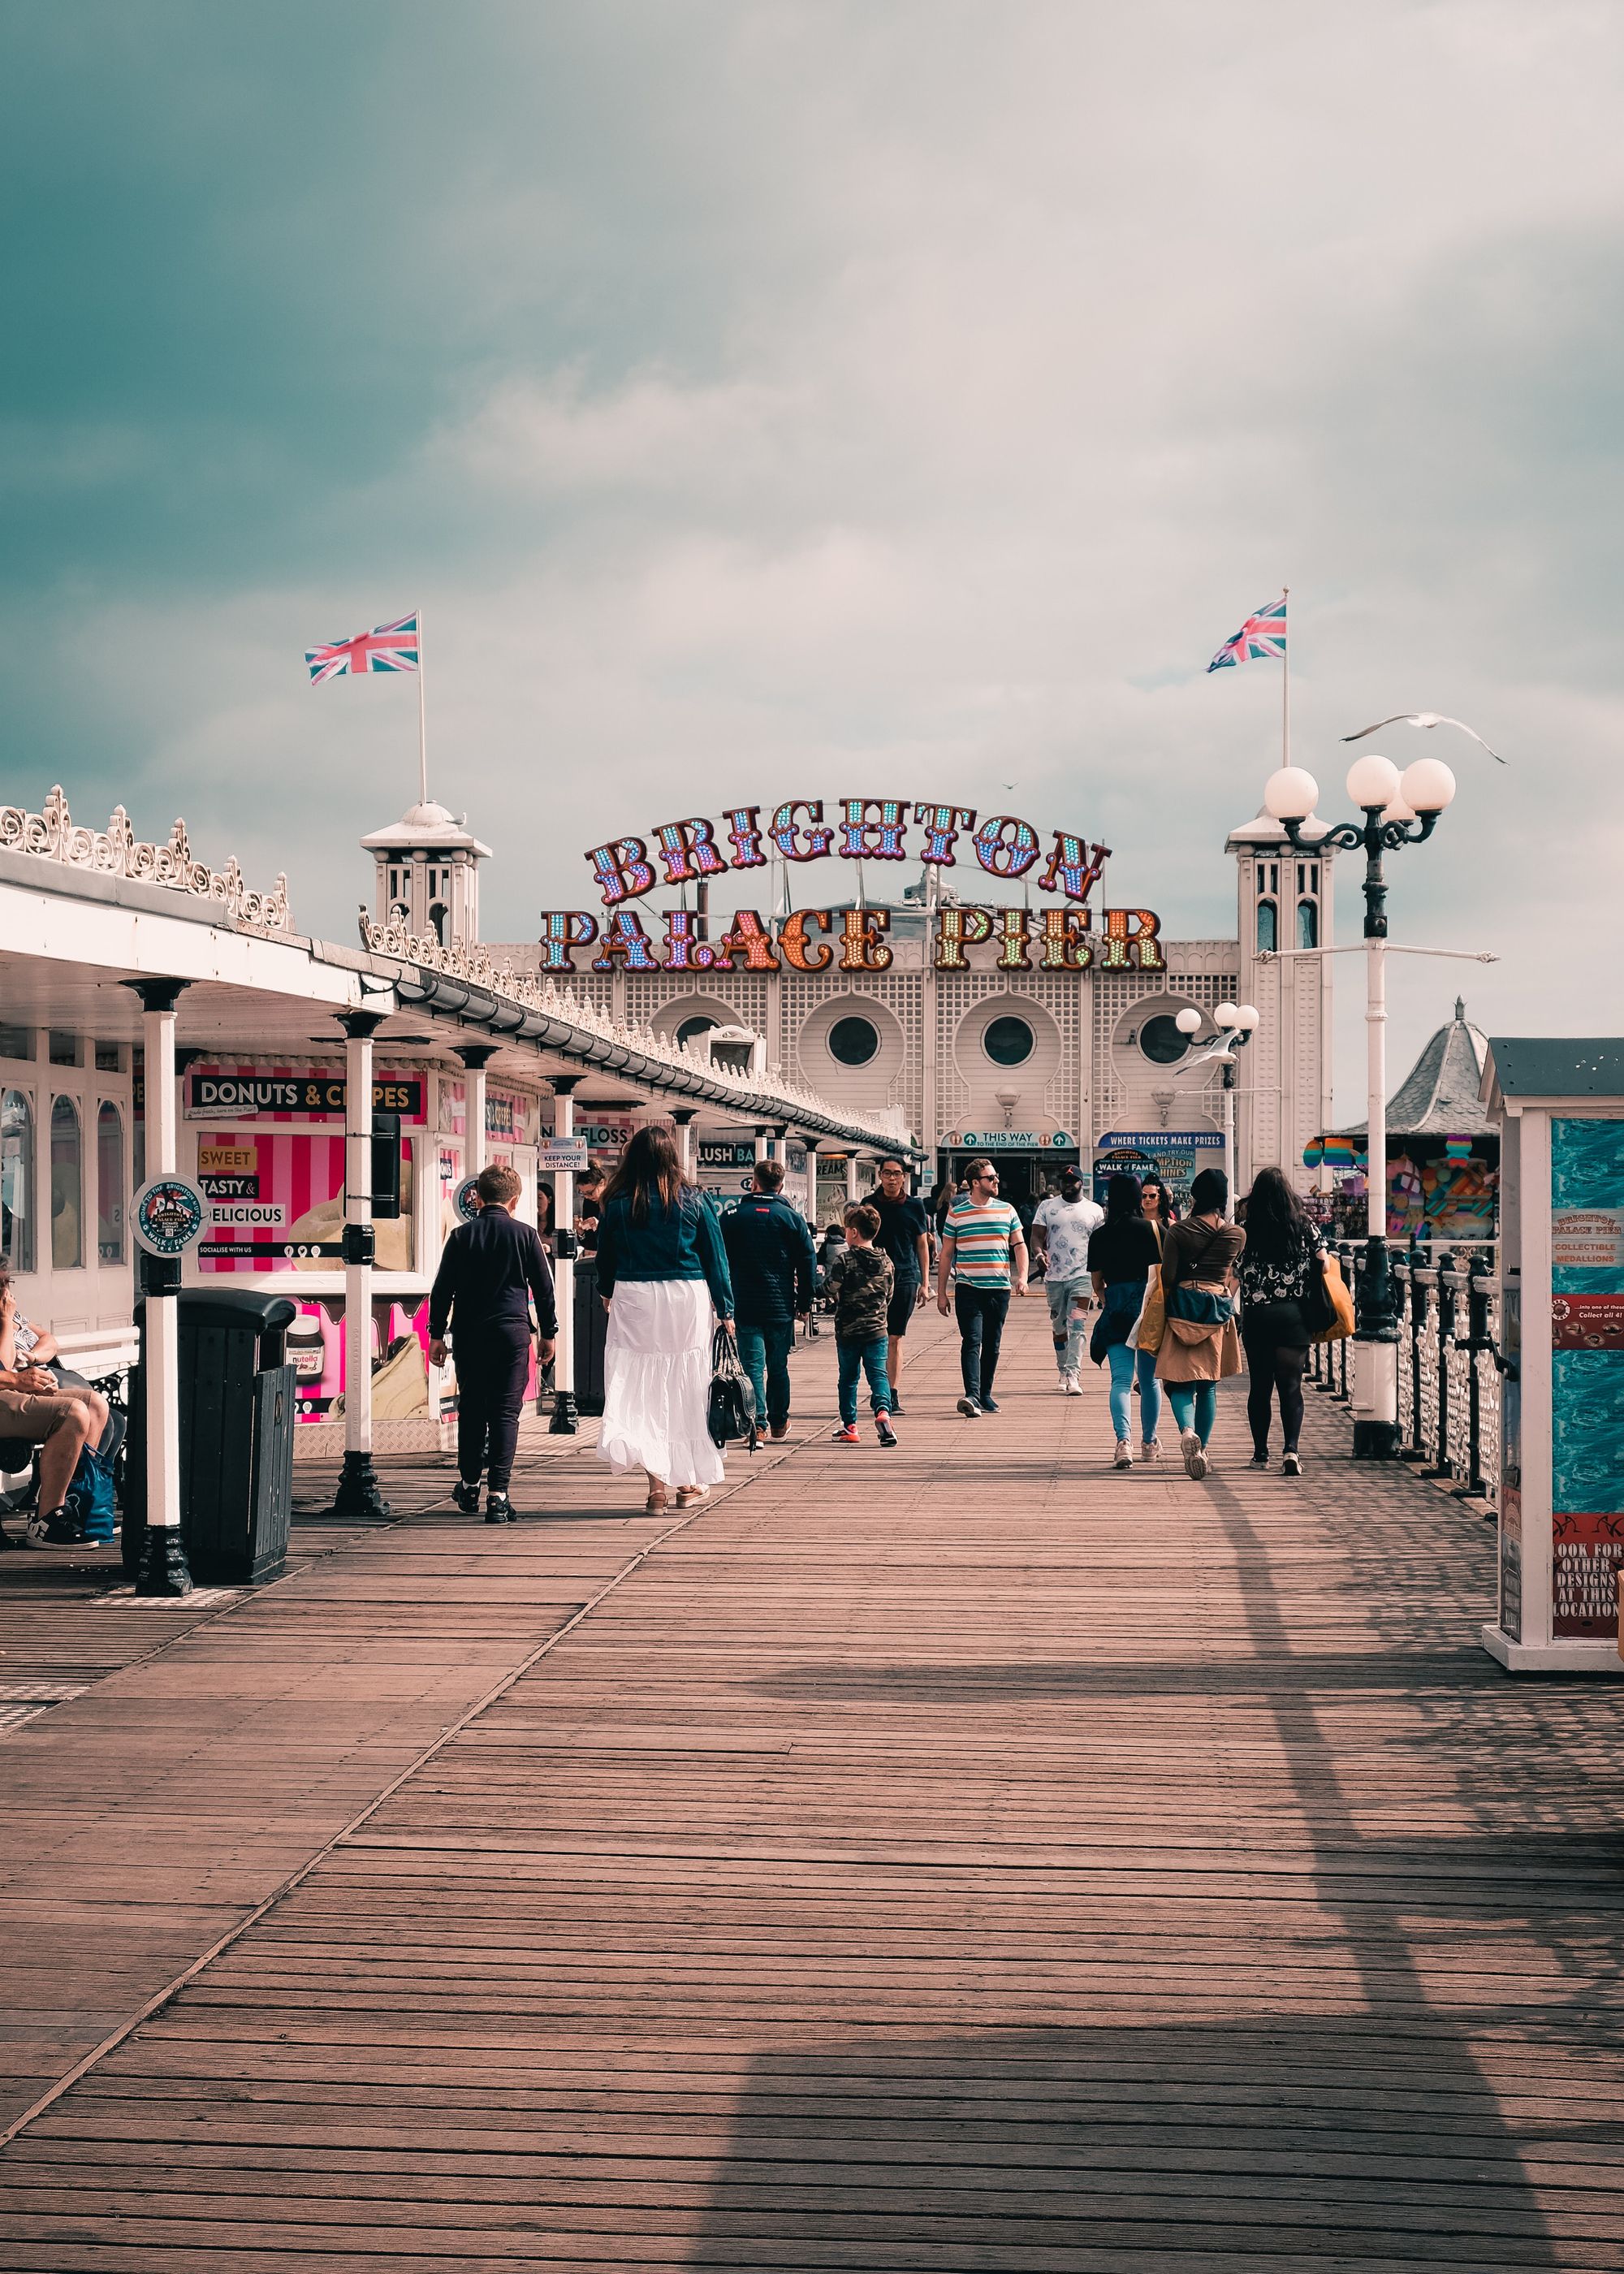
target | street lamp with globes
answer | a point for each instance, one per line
(1237, 1023)
(1399, 809)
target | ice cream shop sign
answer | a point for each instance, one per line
(1060, 937)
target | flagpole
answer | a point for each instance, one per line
(1285, 683)
(423, 721)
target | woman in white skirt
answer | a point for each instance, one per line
(662, 1270)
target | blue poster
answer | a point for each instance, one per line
(1587, 1374)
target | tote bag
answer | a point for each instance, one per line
(1329, 1295)
(730, 1411)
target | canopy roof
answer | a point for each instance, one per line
(1439, 1096)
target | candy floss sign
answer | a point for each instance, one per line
(694, 851)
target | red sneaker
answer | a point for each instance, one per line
(846, 1436)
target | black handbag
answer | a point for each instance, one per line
(730, 1413)
(1318, 1310)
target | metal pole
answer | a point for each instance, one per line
(564, 1423)
(1374, 1403)
(163, 1569)
(358, 1493)
(1228, 1140)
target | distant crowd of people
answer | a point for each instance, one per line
(1165, 1304)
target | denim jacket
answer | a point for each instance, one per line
(671, 1243)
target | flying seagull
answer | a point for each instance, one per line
(1423, 719)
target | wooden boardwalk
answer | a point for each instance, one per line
(962, 1857)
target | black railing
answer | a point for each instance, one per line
(1448, 1361)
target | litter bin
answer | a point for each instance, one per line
(237, 1422)
(591, 1332)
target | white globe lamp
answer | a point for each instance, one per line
(1373, 780)
(1290, 793)
(1226, 1015)
(1247, 1018)
(1428, 784)
(1188, 1021)
(1396, 809)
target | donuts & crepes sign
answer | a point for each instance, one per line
(1063, 937)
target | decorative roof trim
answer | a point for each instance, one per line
(781, 1098)
(54, 835)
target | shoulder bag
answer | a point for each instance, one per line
(1328, 1306)
(1199, 1307)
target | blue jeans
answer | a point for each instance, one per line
(1127, 1364)
(857, 1358)
(1200, 1398)
(763, 1353)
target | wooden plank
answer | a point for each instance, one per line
(965, 1857)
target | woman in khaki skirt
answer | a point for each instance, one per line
(1199, 1254)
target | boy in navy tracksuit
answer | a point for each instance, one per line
(490, 1273)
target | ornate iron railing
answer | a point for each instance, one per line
(52, 834)
(1448, 1362)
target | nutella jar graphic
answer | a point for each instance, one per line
(306, 1349)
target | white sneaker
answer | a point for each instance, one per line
(1195, 1455)
(1151, 1449)
(1072, 1386)
(1125, 1455)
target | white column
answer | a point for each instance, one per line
(1228, 1140)
(1375, 1364)
(684, 1117)
(474, 1116)
(357, 1492)
(563, 1420)
(162, 1570)
(763, 1143)
(851, 1178)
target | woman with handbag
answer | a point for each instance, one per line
(1199, 1346)
(1279, 1275)
(1124, 1254)
(661, 1267)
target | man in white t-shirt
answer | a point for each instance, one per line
(1060, 1233)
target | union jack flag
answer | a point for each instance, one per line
(392, 647)
(1261, 635)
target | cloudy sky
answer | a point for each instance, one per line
(771, 399)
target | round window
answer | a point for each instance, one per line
(692, 1029)
(1161, 1042)
(1007, 1042)
(854, 1042)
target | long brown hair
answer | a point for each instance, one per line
(649, 1165)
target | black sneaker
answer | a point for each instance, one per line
(499, 1508)
(1291, 1465)
(992, 1406)
(1259, 1460)
(896, 1409)
(886, 1433)
(466, 1497)
(968, 1407)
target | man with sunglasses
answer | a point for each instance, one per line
(983, 1244)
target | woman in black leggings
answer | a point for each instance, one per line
(1282, 1258)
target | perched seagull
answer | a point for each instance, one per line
(1423, 719)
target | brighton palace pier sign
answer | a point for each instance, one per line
(1061, 938)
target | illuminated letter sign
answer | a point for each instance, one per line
(684, 951)
(1005, 846)
(792, 940)
(958, 928)
(744, 838)
(688, 850)
(1126, 947)
(1066, 942)
(623, 868)
(786, 836)
(856, 829)
(1070, 869)
(941, 824)
(750, 939)
(862, 948)
(562, 928)
(625, 936)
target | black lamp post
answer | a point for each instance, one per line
(1398, 810)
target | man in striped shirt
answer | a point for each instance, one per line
(982, 1242)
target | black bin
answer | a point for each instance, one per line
(591, 1332)
(236, 1423)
